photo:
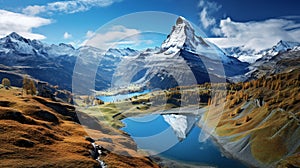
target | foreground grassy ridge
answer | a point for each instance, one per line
(34, 135)
(267, 110)
(39, 132)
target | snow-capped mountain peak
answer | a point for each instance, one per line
(15, 36)
(20, 45)
(16, 43)
(284, 46)
(176, 39)
(66, 45)
(248, 55)
(182, 36)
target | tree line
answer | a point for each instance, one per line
(28, 88)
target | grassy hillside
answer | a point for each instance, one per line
(39, 132)
(263, 116)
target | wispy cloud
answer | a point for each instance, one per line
(71, 6)
(116, 35)
(67, 35)
(20, 23)
(208, 8)
(256, 35)
(34, 9)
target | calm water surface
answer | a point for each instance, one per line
(152, 133)
(121, 96)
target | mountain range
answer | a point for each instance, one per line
(183, 59)
(248, 55)
(54, 63)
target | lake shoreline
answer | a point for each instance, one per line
(114, 92)
(121, 96)
(169, 161)
(218, 142)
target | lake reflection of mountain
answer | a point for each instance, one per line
(154, 134)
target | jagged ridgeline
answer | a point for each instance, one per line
(55, 63)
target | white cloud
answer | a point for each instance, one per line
(205, 19)
(207, 9)
(71, 6)
(33, 10)
(256, 35)
(116, 35)
(67, 35)
(211, 5)
(21, 24)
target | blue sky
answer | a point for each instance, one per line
(234, 22)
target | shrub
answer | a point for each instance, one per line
(6, 82)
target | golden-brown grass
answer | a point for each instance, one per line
(270, 124)
(38, 132)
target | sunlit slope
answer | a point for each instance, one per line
(260, 123)
(39, 132)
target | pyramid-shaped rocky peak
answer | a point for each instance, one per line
(183, 36)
